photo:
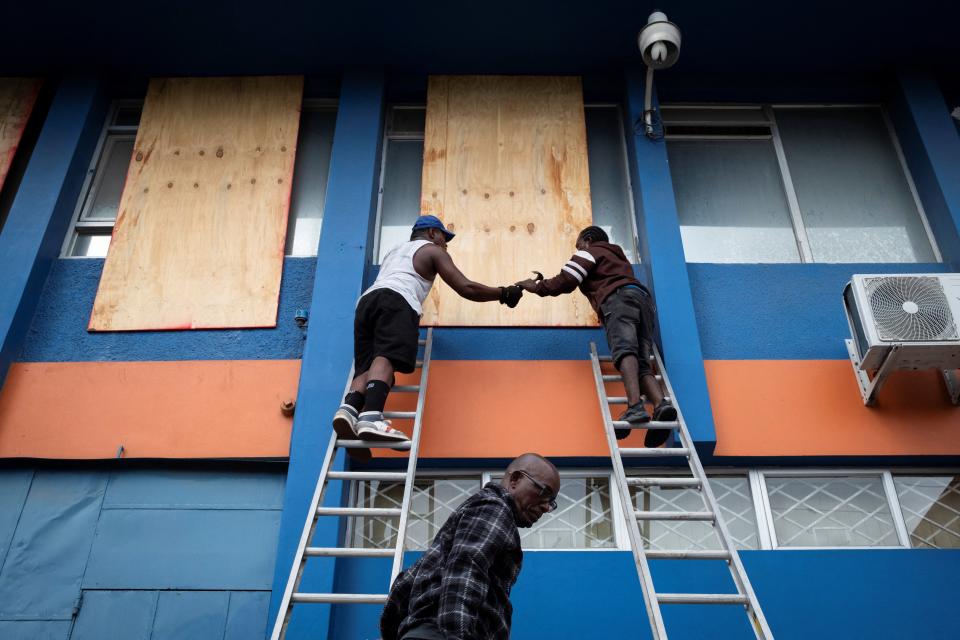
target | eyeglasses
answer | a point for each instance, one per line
(546, 494)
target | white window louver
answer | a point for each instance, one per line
(910, 309)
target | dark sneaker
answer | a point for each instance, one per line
(345, 422)
(636, 414)
(665, 412)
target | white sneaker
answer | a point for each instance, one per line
(380, 431)
(345, 422)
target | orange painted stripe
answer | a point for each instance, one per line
(499, 409)
(183, 409)
(814, 408)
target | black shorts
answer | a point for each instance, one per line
(385, 325)
(628, 320)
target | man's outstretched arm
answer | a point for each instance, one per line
(571, 275)
(467, 288)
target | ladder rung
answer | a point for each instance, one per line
(405, 388)
(357, 511)
(702, 598)
(653, 424)
(688, 555)
(419, 364)
(605, 358)
(616, 400)
(373, 444)
(347, 552)
(422, 343)
(674, 515)
(691, 483)
(399, 415)
(397, 476)
(653, 453)
(340, 598)
(618, 378)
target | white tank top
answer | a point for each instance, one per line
(397, 274)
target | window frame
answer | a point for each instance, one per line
(756, 479)
(388, 135)
(790, 194)
(92, 181)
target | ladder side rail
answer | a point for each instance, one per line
(760, 627)
(309, 528)
(412, 459)
(657, 627)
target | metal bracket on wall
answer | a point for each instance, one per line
(952, 380)
(869, 388)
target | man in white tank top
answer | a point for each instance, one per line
(386, 327)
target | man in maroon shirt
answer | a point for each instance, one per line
(603, 274)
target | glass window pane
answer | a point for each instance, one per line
(730, 201)
(831, 512)
(314, 145)
(609, 194)
(736, 508)
(432, 503)
(853, 194)
(400, 204)
(931, 509)
(89, 245)
(107, 187)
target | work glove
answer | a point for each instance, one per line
(510, 296)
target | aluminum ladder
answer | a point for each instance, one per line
(697, 480)
(291, 595)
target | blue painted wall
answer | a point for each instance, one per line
(59, 333)
(778, 311)
(875, 594)
(179, 551)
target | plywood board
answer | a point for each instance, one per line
(199, 237)
(17, 97)
(505, 165)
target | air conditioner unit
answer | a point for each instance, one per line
(903, 321)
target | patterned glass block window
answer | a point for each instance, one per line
(432, 503)
(583, 519)
(931, 509)
(849, 511)
(736, 508)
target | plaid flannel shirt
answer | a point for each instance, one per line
(462, 582)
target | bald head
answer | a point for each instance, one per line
(533, 482)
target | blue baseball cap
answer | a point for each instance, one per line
(432, 222)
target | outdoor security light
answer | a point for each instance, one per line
(659, 44)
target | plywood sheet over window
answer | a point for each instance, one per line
(17, 97)
(199, 237)
(505, 163)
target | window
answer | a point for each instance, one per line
(832, 511)
(736, 502)
(793, 184)
(402, 167)
(97, 210)
(769, 509)
(931, 509)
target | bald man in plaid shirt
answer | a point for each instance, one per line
(460, 588)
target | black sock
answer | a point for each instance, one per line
(376, 393)
(354, 399)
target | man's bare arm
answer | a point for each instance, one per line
(466, 288)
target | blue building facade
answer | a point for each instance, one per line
(798, 145)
